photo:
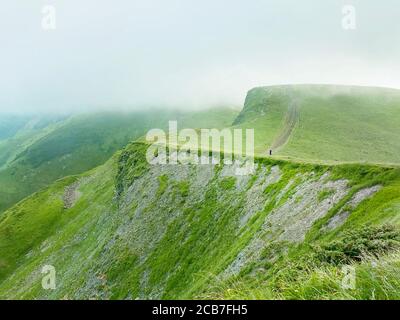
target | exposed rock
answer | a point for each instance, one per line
(337, 220)
(291, 221)
(232, 171)
(362, 195)
(340, 218)
(71, 195)
(255, 197)
(297, 215)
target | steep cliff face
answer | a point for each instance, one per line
(135, 230)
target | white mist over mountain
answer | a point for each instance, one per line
(185, 53)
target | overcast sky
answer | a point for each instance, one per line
(187, 53)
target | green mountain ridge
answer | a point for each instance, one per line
(27, 130)
(325, 123)
(131, 230)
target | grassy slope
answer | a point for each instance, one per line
(84, 142)
(264, 111)
(336, 123)
(30, 223)
(161, 242)
(20, 132)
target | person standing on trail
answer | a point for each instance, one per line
(270, 152)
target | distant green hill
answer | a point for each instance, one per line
(18, 132)
(325, 123)
(49, 148)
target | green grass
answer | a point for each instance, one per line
(228, 183)
(376, 279)
(324, 194)
(336, 123)
(29, 224)
(135, 233)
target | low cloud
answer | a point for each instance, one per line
(186, 54)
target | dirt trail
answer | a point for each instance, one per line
(291, 120)
(71, 195)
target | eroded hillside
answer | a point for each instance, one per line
(132, 230)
